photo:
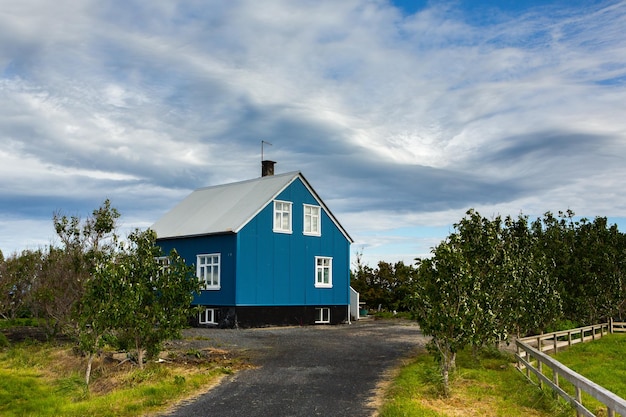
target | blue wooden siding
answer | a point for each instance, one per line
(279, 268)
(225, 245)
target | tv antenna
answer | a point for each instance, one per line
(264, 142)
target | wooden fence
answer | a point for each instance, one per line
(617, 327)
(555, 340)
(531, 360)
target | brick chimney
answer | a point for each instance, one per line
(267, 168)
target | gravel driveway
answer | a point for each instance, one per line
(304, 371)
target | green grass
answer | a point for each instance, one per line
(5, 324)
(600, 361)
(390, 315)
(42, 379)
(490, 387)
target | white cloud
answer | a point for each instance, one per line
(409, 120)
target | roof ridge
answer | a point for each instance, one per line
(267, 177)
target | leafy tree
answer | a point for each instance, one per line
(387, 286)
(480, 284)
(600, 257)
(479, 243)
(150, 302)
(531, 301)
(18, 273)
(97, 312)
(443, 303)
(587, 260)
(61, 284)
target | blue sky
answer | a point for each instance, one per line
(402, 115)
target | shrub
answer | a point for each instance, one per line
(4, 342)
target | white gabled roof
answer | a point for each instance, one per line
(227, 208)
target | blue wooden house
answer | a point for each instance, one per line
(267, 251)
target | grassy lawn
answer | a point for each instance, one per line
(601, 361)
(46, 379)
(490, 387)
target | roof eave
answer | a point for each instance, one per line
(225, 232)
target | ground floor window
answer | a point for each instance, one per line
(208, 270)
(322, 315)
(208, 316)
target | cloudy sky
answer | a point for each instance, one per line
(402, 115)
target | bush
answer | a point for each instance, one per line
(562, 325)
(393, 315)
(4, 342)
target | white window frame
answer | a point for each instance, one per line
(163, 261)
(164, 264)
(323, 272)
(208, 316)
(322, 315)
(283, 216)
(312, 224)
(201, 270)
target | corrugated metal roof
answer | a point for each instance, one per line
(222, 208)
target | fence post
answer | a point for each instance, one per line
(556, 339)
(569, 338)
(555, 379)
(593, 332)
(539, 343)
(579, 399)
(611, 325)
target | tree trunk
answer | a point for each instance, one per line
(88, 371)
(446, 381)
(448, 364)
(139, 353)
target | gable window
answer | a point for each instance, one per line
(323, 272)
(322, 315)
(208, 271)
(282, 216)
(208, 316)
(312, 225)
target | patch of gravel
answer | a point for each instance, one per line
(304, 371)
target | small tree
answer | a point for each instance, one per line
(97, 312)
(18, 273)
(60, 286)
(460, 290)
(136, 297)
(152, 301)
(387, 286)
(443, 305)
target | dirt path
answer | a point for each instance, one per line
(304, 371)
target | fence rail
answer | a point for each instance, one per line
(555, 340)
(617, 327)
(531, 359)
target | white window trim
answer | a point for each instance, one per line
(319, 315)
(317, 232)
(278, 228)
(205, 285)
(320, 268)
(163, 262)
(209, 312)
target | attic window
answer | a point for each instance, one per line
(282, 216)
(312, 220)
